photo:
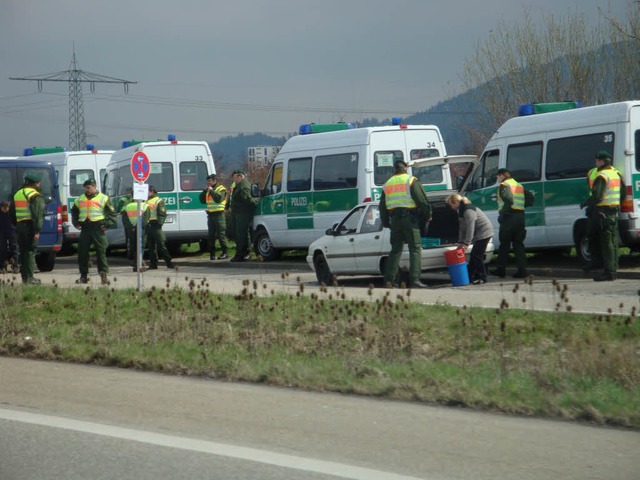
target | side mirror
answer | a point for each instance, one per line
(329, 231)
(255, 190)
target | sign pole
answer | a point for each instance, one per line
(140, 171)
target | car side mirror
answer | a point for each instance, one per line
(329, 231)
(255, 190)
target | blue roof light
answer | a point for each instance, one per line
(171, 137)
(126, 144)
(28, 152)
(90, 146)
(396, 121)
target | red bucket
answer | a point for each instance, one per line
(455, 257)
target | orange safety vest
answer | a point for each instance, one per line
(517, 191)
(21, 200)
(91, 209)
(397, 192)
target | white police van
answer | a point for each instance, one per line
(549, 149)
(321, 174)
(73, 169)
(179, 172)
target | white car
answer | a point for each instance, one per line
(359, 245)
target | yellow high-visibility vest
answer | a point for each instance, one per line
(91, 209)
(21, 200)
(611, 197)
(517, 191)
(397, 192)
(153, 205)
(212, 205)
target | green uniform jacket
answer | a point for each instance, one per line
(418, 196)
(37, 207)
(241, 200)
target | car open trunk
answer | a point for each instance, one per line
(443, 228)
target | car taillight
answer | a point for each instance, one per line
(627, 204)
(65, 214)
(59, 218)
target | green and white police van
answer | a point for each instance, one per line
(549, 148)
(178, 171)
(73, 169)
(322, 173)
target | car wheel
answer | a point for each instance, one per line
(45, 261)
(323, 273)
(264, 246)
(582, 243)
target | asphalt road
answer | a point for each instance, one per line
(78, 422)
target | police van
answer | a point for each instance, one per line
(73, 169)
(549, 148)
(178, 171)
(12, 173)
(322, 173)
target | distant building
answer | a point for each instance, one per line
(263, 155)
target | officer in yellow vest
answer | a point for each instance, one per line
(156, 241)
(93, 214)
(405, 209)
(607, 193)
(512, 227)
(131, 213)
(216, 197)
(27, 214)
(594, 246)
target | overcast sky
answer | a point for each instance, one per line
(210, 68)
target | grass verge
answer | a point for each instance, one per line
(558, 365)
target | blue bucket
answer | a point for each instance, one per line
(459, 274)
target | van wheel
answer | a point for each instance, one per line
(323, 273)
(264, 246)
(45, 261)
(582, 243)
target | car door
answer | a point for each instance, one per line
(341, 245)
(372, 240)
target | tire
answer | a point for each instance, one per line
(323, 273)
(582, 243)
(45, 261)
(263, 246)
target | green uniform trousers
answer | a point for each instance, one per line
(90, 234)
(217, 226)
(605, 233)
(157, 245)
(27, 247)
(512, 232)
(242, 224)
(405, 227)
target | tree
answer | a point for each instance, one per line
(564, 59)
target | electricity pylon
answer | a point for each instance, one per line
(76, 77)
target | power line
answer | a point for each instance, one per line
(75, 78)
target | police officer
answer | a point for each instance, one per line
(156, 241)
(215, 197)
(242, 210)
(121, 206)
(27, 214)
(405, 209)
(512, 226)
(131, 219)
(93, 214)
(607, 192)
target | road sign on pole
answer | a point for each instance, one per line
(140, 167)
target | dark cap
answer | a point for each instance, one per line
(91, 181)
(502, 171)
(212, 176)
(32, 177)
(152, 189)
(603, 155)
(238, 172)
